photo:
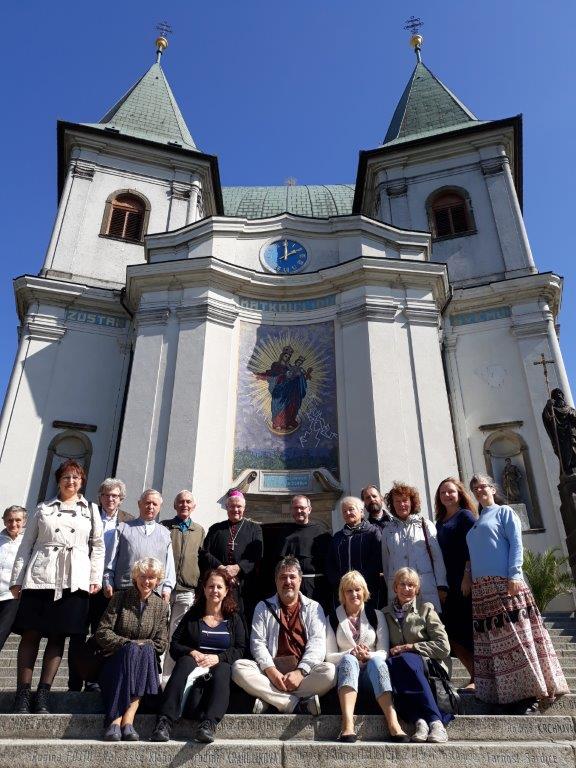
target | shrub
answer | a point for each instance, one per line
(547, 576)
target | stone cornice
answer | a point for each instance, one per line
(160, 246)
(43, 290)
(211, 273)
(545, 287)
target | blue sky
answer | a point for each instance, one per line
(278, 90)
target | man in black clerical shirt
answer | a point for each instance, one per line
(235, 547)
(308, 541)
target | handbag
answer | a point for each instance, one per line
(446, 696)
(284, 664)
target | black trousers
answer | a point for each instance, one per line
(8, 609)
(207, 700)
(97, 604)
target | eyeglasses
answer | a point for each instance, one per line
(482, 486)
(70, 477)
(110, 495)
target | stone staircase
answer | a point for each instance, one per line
(71, 736)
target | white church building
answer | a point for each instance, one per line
(288, 339)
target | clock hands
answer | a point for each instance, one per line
(288, 253)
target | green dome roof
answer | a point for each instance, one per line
(319, 202)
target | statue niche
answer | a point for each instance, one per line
(508, 462)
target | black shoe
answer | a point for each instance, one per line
(40, 705)
(161, 730)
(22, 700)
(347, 738)
(205, 732)
(92, 688)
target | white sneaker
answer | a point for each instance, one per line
(421, 731)
(437, 733)
(260, 707)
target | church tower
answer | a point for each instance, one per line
(443, 170)
(135, 171)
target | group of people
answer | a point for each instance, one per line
(179, 613)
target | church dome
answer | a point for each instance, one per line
(318, 201)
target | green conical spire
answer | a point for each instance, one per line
(427, 107)
(149, 111)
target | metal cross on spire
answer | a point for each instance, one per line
(413, 25)
(162, 41)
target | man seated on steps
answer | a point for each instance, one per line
(288, 644)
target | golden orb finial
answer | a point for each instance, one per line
(416, 41)
(161, 44)
(162, 40)
(413, 25)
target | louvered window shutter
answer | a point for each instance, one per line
(126, 218)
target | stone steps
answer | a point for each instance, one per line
(75, 703)
(293, 753)
(548, 728)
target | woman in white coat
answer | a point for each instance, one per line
(59, 563)
(14, 519)
(409, 541)
(357, 643)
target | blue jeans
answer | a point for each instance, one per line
(354, 675)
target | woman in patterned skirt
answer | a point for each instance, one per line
(515, 664)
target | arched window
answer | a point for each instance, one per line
(450, 214)
(125, 217)
(69, 444)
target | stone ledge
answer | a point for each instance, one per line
(91, 754)
(469, 728)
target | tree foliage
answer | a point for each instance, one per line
(547, 575)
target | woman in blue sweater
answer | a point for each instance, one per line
(515, 664)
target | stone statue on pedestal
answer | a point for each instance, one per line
(560, 422)
(511, 479)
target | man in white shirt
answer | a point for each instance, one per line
(288, 644)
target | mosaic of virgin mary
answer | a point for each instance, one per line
(287, 384)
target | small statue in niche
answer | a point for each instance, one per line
(511, 479)
(560, 422)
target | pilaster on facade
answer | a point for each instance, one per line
(368, 310)
(179, 191)
(208, 311)
(421, 313)
(39, 328)
(152, 316)
(529, 328)
(494, 165)
(83, 171)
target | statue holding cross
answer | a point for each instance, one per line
(560, 423)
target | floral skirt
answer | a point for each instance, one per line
(514, 658)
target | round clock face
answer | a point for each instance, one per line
(285, 256)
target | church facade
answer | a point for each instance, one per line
(289, 339)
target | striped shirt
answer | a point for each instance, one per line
(214, 639)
